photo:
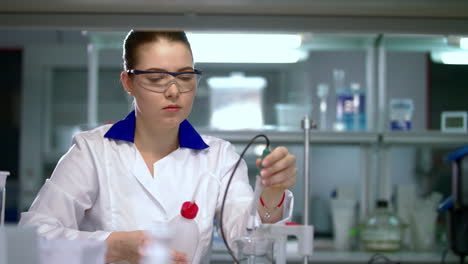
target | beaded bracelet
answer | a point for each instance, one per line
(268, 211)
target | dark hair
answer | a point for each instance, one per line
(135, 39)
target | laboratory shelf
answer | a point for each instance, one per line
(276, 137)
(428, 138)
(343, 137)
(295, 136)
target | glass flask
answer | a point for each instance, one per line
(382, 231)
(254, 249)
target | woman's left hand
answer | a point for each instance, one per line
(279, 169)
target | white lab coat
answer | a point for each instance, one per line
(102, 185)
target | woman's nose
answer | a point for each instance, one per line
(172, 89)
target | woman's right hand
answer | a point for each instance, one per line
(130, 246)
(126, 246)
(178, 257)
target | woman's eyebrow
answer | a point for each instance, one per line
(155, 69)
(188, 68)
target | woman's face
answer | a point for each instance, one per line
(166, 109)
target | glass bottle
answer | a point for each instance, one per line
(382, 231)
(341, 97)
(322, 93)
(359, 111)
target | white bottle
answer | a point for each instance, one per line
(341, 98)
(322, 93)
(355, 89)
(185, 233)
(157, 251)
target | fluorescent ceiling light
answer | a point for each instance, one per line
(451, 57)
(458, 41)
(464, 43)
(246, 48)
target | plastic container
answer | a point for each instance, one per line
(343, 214)
(401, 112)
(156, 253)
(289, 116)
(338, 83)
(3, 176)
(339, 79)
(236, 96)
(158, 249)
(185, 233)
(322, 93)
(382, 231)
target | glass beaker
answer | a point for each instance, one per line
(3, 175)
(254, 249)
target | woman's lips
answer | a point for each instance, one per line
(172, 108)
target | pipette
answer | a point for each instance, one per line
(257, 192)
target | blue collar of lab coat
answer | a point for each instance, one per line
(125, 130)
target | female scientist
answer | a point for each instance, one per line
(118, 180)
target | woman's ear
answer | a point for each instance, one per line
(126, 82)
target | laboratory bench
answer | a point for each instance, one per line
(327, 255)
(323, 251)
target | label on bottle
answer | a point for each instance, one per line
(400, 125)
(350, 110)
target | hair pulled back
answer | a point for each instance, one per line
(135, 39)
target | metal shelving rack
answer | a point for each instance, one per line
(297, 136)
(374, 143)
(428, 138)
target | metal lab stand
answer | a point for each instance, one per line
(306, 125)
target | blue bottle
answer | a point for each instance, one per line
(350, 108)
(359, 107)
